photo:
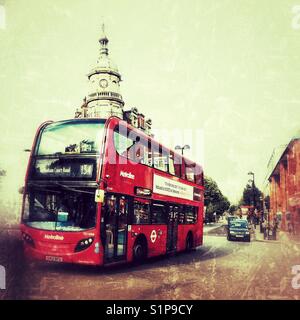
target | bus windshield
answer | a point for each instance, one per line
(60, 210)
(71, 137)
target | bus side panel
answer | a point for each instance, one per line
(199, 227)
(138, 176)
(156, 236)
(183, 230)
(196, 229)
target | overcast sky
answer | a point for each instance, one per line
(227, 69)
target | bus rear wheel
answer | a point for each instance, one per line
(139, 251)
(189, 243)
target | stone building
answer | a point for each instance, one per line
(285, 187)
(104, 98)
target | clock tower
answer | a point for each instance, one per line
(104, 98)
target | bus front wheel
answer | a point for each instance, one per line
(139, 251)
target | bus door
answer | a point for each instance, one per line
(172, 228)
(115, 228)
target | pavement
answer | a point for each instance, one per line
(212, 226)
(281, 237)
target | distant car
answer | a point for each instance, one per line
(209, 218)
(206, 220)
(238, 229)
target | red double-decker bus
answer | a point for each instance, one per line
(102, 191)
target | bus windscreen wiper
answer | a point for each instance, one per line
(72, 189)
(42, 187)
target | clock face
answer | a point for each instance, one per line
(103, 83)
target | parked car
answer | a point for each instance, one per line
(230, 219)
(238, 229)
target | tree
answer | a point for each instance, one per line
(251, 196)
(214, 200)
(267, 202)
(233, 208)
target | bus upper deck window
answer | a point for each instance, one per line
(189, 172)
(171, 164)
(198, 175)
(160, 157)
(177, 165)
(131, 145)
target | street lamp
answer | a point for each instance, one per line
(250, 173)
(185, 147)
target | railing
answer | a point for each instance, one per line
(105, 94)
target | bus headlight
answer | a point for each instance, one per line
(28, 239)
(83, 244)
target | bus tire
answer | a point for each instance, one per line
(139, 250)
(189, 242)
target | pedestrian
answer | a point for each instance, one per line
(248, 218)
(290, 228)
(264, 228)
(254, 220)
(274, 229)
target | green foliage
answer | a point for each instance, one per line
(267, 202)
(251, 196)
(2, 173)
(214, 200)
(233, 208)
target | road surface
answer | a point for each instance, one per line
(218, 270)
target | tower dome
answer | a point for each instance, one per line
(104, 98)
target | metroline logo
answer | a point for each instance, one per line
(53, 237)
(128, 175)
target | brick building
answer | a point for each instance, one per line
(285, 187)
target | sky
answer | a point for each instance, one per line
(226, 69)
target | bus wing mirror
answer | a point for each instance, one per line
(99, 195)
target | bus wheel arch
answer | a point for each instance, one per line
(140, 248)
(189, 241)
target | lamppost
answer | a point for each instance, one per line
(250, 173)
(262, 214)
(185, 147)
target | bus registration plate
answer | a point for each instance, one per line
(54, 259)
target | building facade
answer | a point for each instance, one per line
(285, 188)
